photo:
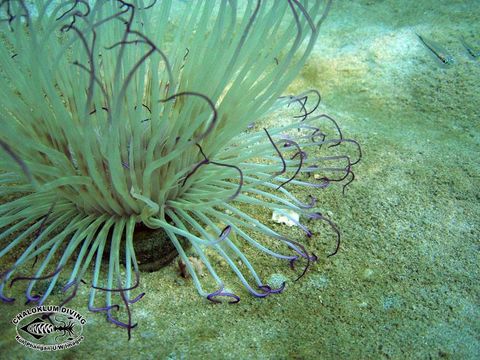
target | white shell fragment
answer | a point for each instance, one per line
(287, 217)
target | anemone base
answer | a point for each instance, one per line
(153, 249)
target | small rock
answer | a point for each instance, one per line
(368, 274)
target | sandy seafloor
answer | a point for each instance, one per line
(405, 284)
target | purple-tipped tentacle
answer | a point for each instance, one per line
(122, 324)
(76, 13)
(6, 299)
(123, 290)
(240, 184)
(335, 124)
(33, 278)
(220, 292)
(303, 253)
(348, 182)
(292, 262)
(224, 234)
(31, 298)
(67, 286)
(303, 205)
(316, 132)
(284, 164)
(34, 298)
(210, 103)
(17, 159)
(125, 43)
(304, 108)
(195, 168)
(322, 185)
(299, 152)
(125, 300)
(3, 280)
(103, 309)
(262, 248)
(303, 154)
(313, 201)
(120, 289)
(299, 224)
(340, 141)
(110, 317)
(300, 204)
(311, 258)
(207, 161)
(137, 298)
(268, 288)
(319, 216)
(129, 313)
(347, 170)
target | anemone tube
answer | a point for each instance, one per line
(118, 113)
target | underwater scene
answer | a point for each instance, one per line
(239, 179)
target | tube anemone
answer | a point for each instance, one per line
(120, 113)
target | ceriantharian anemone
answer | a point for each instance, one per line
(120, 113)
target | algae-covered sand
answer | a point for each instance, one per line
(405, 282)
